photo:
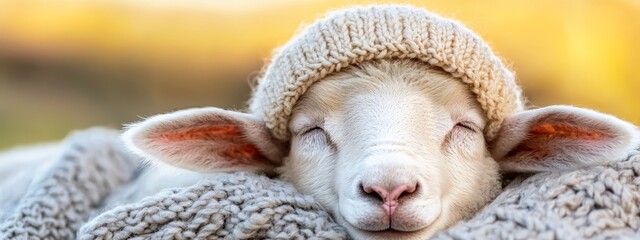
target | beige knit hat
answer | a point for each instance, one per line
(359, 34)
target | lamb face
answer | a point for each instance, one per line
(392, 149)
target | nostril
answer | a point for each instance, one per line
(366, 189)
(388, 195)
(403, 191)
(410, 189)
(374, 192)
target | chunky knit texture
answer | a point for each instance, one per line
(597, 202)
(360, 34)
(93, 172)
(601, 202)
(230, 206)
(62, 199)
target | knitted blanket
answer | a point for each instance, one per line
(80, 195)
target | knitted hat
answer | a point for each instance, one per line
(359, 34)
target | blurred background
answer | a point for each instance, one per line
(72, 64)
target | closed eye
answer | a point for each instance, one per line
(467, 126)
(461, 133)
(318, 135)
(310, 130)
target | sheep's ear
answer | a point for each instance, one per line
(207, 140)
(561, 138)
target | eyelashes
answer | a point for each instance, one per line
(464, 131)
(310, 130)
(463, 125)
(469, 126)
(314, 133)
(317, 135)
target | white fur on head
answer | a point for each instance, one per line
(389, 124)
(206, 140)
(562, 138)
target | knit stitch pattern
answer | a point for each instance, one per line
(94, 170)
(601, 202)
(230, 206)
(360, 34)
(92, 165)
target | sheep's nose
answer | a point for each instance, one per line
(390, 196)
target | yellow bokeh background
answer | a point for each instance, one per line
(70, 64)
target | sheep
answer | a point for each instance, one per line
(383, 169)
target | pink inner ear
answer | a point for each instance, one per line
(547, 139)
(236, 148)
(243, 151)
(563, 130)
(204, 133)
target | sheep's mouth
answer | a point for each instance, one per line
(392, 231)
(387, 233)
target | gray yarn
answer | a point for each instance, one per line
(94, 167)
(62, 199)
(598, 202)
(230, 206)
